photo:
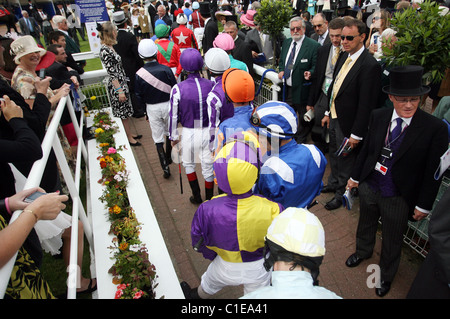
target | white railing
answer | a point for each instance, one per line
(268, 91)
(51, 141)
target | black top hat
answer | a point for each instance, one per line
(328, 14)
(406, 81)
(351, 12)
(204, 8)
(232, 18)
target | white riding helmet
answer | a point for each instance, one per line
(147, 48)
(217, 60)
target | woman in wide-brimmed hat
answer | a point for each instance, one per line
(27, 56)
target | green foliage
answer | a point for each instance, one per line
(273, 17)
(422, 39)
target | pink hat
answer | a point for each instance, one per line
(247, 19)
(224, 41)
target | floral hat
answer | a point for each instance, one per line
(23, 46)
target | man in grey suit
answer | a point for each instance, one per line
(29, 26)
(260, 42)
(320, 25)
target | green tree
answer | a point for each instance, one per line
(422, 39)
(272, 17)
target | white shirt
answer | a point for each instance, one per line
(322, 37)
(297, 49)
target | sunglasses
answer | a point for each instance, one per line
(296, 28)
(349, 37)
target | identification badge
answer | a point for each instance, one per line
(381, 168)
(304, 60)
(386, 153)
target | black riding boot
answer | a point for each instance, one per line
(168, 150)
(196, 198)
(163, 160)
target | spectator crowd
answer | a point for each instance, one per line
(188, 68)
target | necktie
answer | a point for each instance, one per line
(29, 25)
(337, 85)
(396, 131)
(336, 55)
(290, 61)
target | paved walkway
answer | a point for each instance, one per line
(174, 213)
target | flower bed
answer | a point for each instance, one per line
(133, 273)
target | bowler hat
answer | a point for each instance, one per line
(406, 81)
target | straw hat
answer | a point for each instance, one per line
(23, 46)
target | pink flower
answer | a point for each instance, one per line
(111, 150)
(119, 294)
(121, 287)
(138, 294)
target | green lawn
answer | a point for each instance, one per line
(92, 64)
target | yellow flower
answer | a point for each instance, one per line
(99, 130)
(116, 209)
(93, 98)
(123, 246)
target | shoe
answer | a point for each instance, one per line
(189, 293)
(384, 289)
(328, 189)
(89, 289)
(137, 137)
(135, 144)
(333, 204)
(166, 171)
(354, 260)
(196, 201)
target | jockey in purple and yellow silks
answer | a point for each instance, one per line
(229, 229)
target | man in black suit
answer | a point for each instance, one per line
(127, 48)
(320, 25)
(395, 170)
(58, 71)
(58, 37)
(161, 13)
(242, 50)
(152, 13)
(327, 56)
(211, 28)
(353, 95)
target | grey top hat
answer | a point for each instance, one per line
(119, 17)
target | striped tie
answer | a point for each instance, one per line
(337, 50)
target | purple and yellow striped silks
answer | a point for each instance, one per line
(236, 165)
